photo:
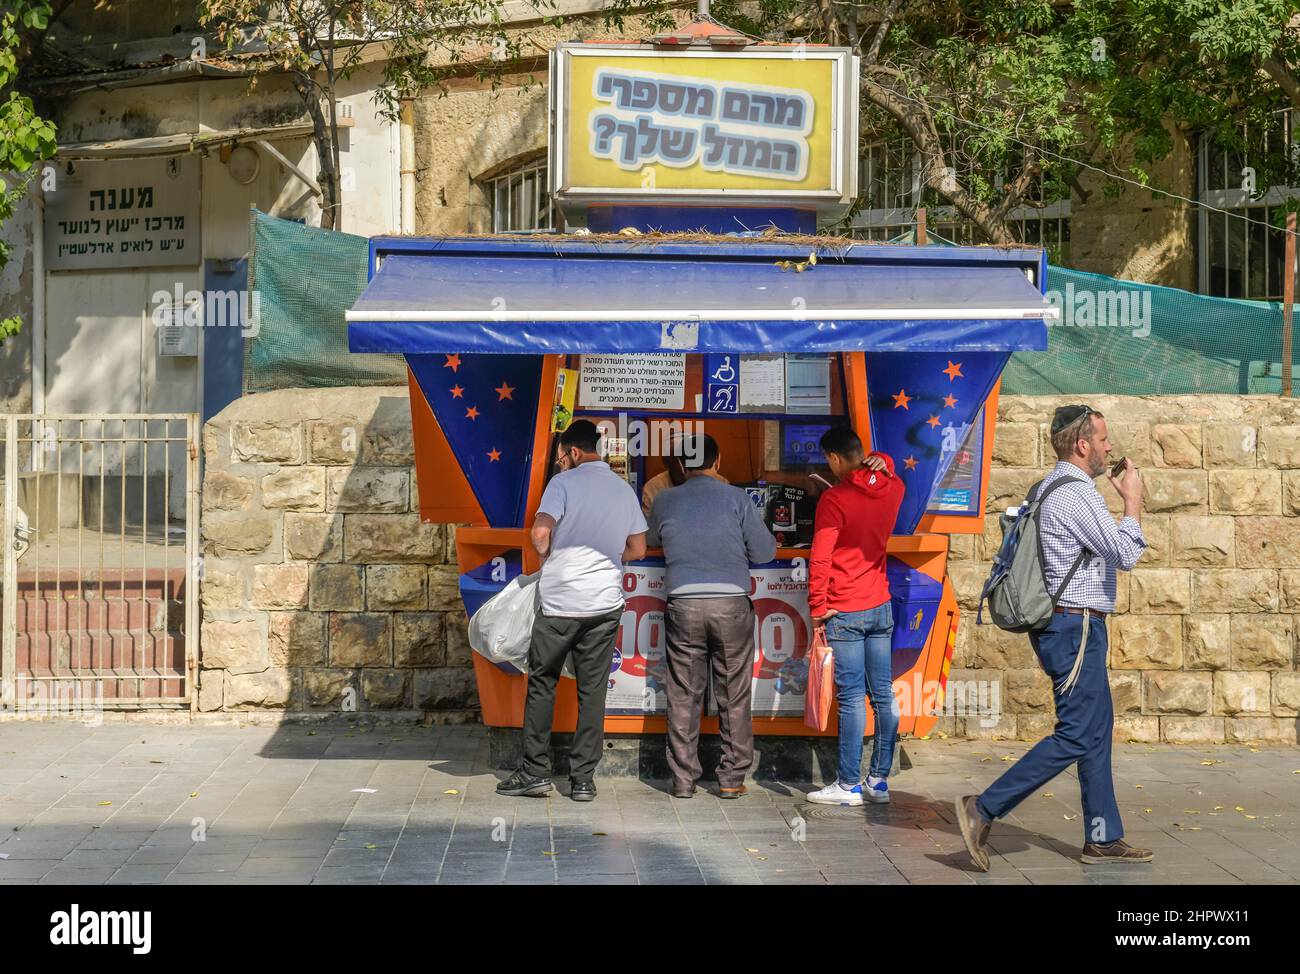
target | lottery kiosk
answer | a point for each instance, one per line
(691, 292)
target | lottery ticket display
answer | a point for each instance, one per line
(782, 631)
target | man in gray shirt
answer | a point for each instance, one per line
(710, 533)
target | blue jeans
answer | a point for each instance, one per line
(864, 667)
(1084, 724)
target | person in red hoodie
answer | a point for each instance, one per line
(848, 592)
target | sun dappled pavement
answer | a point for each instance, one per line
(142, 803)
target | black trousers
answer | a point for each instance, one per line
(591, 640)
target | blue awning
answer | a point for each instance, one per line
(567, 294)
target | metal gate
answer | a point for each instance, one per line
(99, 536)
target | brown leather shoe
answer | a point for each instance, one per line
(1117, 851)
(732, 792)
(974, 831)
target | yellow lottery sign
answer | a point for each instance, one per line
(772, 124)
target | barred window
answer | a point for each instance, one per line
(521, 200)
(1241, 251)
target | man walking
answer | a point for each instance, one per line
(710, 533)
(1072, 648)
(588, 524)
(848, 592)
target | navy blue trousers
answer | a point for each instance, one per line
(1085, 720)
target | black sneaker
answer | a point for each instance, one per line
(521, 783)
(582, 791)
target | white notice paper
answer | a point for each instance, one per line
(642, 381)
(762, 383)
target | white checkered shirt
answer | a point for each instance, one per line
(1075, 517)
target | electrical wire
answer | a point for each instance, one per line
(1097, 169)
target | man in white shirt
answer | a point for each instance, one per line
(588, 524)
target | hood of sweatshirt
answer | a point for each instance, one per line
(873, 483)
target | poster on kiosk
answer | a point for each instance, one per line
(694, 289)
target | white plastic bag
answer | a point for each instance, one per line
(503, 626)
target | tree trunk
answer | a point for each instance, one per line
(1285, 78)
(321, 139)
(915, 121)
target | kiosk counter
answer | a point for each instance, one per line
(763, 342)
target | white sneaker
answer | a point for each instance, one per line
(836, 794)
(876, 790)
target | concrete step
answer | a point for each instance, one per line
(96, 614)
(62, 691)
(63, 652)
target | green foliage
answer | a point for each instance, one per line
(995, 89)
(323, 42)
(26, 139)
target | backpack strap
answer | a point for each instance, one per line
(1084, 552)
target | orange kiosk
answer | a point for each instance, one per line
(761, 338)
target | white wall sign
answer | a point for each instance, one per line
(123, 213)
(644, 381)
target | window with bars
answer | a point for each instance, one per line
(521, 201)
(892, 190)
(1242, 250)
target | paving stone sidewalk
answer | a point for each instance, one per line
(143, 804)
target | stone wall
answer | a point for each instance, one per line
(1206, 634)
(1139, 235)
(322, 588)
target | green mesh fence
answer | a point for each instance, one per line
(1120, 337)
(1113, 337)
(305, 279)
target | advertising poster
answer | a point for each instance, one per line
(958, 488)
(637, 679)
(782, 632)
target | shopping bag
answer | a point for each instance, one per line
(502, 628)
(821, 682)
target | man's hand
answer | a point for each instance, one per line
(830, 614)
(873, 462)
(1129, 487)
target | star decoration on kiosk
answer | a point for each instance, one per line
(949, 401)
(471, 413)
(910, 463)
(457, 392)
(932, 422)
(453, 362)
(953, 371)
(902, 399)
(504, 391)
(493, 456)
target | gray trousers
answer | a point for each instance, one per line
(704, 633)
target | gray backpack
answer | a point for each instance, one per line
(1016, 590)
